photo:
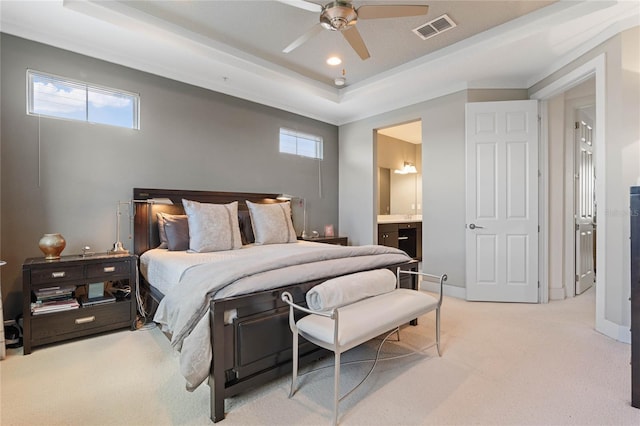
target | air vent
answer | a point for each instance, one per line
(435, 27)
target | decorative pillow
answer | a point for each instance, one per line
(246, 229)
(212, 227)
(161, 222)
(272, 223)
(176, 229)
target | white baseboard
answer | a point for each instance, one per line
(448, 290)
(557, 294)
(618, 332)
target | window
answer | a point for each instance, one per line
(305, 145)
(59, 97)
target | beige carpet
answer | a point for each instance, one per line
(502, 364)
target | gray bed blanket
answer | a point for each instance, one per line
(183, 312)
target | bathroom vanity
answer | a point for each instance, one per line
(403, 232)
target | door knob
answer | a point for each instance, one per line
(473, 226)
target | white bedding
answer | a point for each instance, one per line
(164, 269)
(183, 312)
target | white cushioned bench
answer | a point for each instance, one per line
(345, 327)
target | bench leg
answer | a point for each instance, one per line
(294, 376)
(336, 387)
(438, 331)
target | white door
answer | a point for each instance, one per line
(502, 201)
(585, 203)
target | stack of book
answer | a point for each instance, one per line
(54, 299)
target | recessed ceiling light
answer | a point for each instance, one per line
(334, 60)
(339, 81)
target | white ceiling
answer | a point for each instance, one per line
(234, 47)
(408, 132)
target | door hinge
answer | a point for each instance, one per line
(577, 125)
(538, 228)
(577, 278)
(577, 227)
(538, 284)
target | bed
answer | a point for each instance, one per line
(238, 315)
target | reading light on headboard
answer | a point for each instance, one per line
(118, 247)
(165, 201)
(287, 197)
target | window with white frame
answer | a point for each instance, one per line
(53, 96)
(303, 144)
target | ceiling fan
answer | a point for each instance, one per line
(341, 15)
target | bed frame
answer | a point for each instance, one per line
(257, 347)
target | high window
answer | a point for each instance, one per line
(59, 97)
(303, 144)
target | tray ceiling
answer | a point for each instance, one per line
(235, 47)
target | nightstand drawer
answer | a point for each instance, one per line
(101, 270)
(78, 320)
(54, 275)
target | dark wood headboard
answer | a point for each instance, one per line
(145, 207)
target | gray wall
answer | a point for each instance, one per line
(190, 138)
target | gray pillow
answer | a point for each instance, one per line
(176, 229)
(161, 222)
(246, 229)
(212, 227)
(272, 223)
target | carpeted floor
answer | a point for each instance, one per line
(502, 364)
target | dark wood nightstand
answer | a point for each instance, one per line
(75, 274)
(339, 241)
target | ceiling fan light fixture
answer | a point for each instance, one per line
(338, 16)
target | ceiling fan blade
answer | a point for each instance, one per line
(302, 4)
(355, 40)
(390, 11)
(313, 31)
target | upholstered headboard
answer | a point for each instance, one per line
(149, 202)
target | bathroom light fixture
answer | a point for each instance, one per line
(339, 81)
(334, 60)
(408, 168)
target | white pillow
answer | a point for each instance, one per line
(212, 227)
(272, 223)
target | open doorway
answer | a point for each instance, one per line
(572, 201)
(399, 187)
(399, 153)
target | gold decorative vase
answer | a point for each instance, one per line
(52, 245)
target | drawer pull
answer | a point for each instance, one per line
(85, 320)
(109, 269)
(403, 238)
(60, 274)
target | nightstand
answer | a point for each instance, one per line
(339, 241)
(59, 283)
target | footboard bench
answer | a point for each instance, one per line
(348, 326)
